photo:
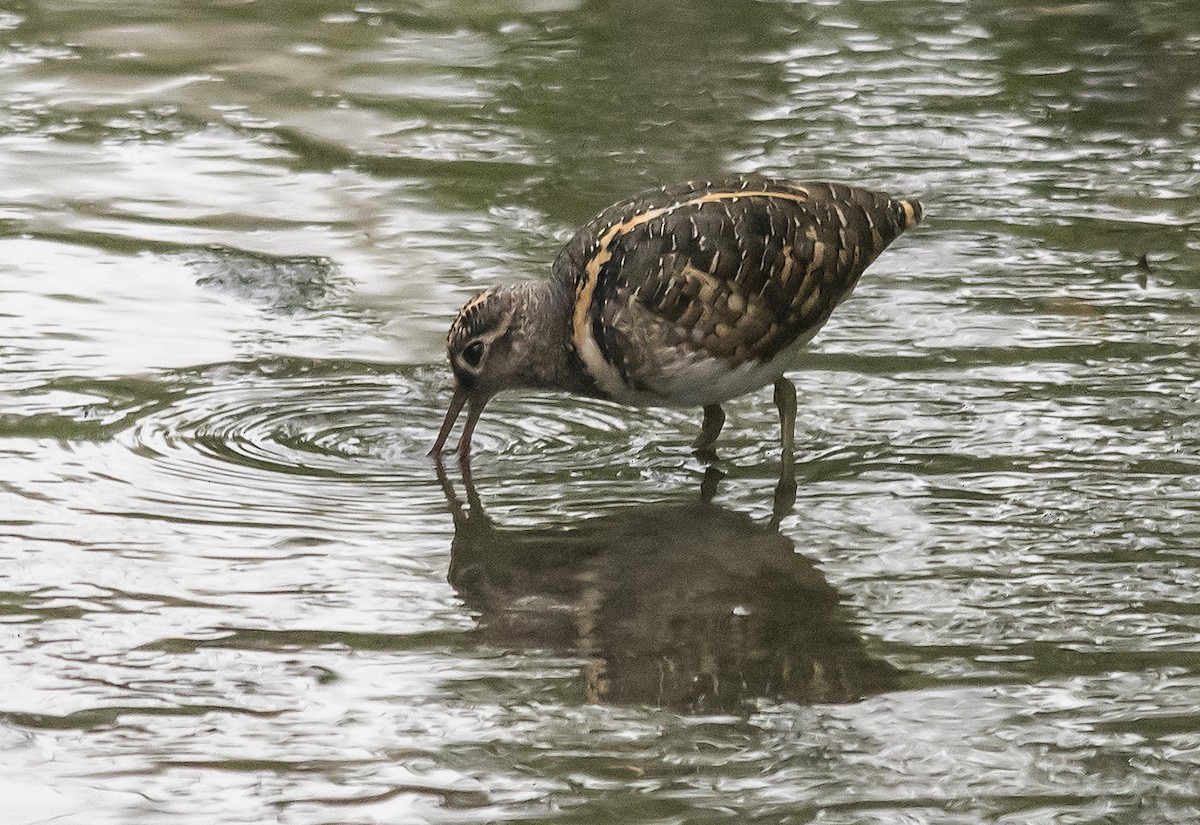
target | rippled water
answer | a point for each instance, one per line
(234, 589)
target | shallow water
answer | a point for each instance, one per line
(234, 589)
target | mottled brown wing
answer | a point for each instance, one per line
(739, 271)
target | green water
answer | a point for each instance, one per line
(234, 589)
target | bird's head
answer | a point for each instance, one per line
(487, 346)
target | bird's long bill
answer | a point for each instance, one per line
(456, 404)
(475, 405)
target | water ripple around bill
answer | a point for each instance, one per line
(298, 437)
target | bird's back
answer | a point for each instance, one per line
(716, 278)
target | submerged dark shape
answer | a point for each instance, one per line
(284, 285)
(688, 605)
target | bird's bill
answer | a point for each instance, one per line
(456, 404)
(475, 405)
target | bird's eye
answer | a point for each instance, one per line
(472, 353)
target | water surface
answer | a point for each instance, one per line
(234, 589)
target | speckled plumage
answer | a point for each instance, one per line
(683, 296)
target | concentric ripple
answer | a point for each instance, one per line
(282, 418)
(338, 438)
(299, 439)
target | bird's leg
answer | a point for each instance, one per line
(785, 401)
(714, 420)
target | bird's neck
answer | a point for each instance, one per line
(544, 314)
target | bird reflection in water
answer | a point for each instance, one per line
(683, 605)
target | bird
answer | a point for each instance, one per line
(684, 296)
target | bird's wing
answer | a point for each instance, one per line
(735, 271)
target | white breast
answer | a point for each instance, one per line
(692, 380)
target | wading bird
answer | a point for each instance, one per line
(685, 296)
